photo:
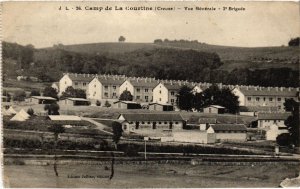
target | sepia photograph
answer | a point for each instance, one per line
(150, 94)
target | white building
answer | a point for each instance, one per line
(228, 132)
(166, 92)
(140, 88)
(105, 87)
(77, 81)
(265, 96)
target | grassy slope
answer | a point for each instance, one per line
(233, 57)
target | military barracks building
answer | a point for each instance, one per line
(109, 87)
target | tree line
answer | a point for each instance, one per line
(189, 100)
(161, 63)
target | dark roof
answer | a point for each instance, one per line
(264, 91)
(273, 116)
(228, 127)
(81, 77)
(197, 120)
(152, 117)
(142, 82)
(258, 108)
(172, 86)
(161, 104)
(109, 80)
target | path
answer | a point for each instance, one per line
(100, 126)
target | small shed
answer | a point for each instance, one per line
(64, 118)
(42, 100)
(75, 102)
(126, 105)
(214, 109)
(161, 107)
(229, 132)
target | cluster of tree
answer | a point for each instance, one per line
(175, 41)
(126, 96)
(70, 92)
(187, 100)
(161, 63)
(294, 42)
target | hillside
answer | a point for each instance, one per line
(164, 60)
(232, 57)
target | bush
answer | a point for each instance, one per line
(107, 104)
(30, 111)
(284, 139)
(98, 103)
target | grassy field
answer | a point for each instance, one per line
(146, 176)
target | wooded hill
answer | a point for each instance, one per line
(270, 66)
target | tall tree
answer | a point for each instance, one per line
(185, 98)
(35, 93)
(117, 133)
(52, 109)
(126, 96)
(49, 91)
(73, 93)
(56, 130)
(292, 122)
(122, 38)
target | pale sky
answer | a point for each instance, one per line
(43, 24)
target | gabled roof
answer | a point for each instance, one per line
(151, 117)
(11, 110)
(273, 116)
(110, 80)
(228, 127)
(161, 104)
(201, 120)
(43, 97)
(142, 82)
(81, 77)
(78, 99)
(125, 102)
(216, 106)
(172, 86)
(64, 118)
(271, 91)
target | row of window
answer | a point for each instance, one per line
(264, 99)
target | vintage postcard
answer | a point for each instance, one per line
(150, 94)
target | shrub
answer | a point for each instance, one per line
(283, 139)
(107, 104)
(98, 103)
(30, 111)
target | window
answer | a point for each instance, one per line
(146, 90)
(278, 99)
(106, 94)
(172, 93)
(106, 87)
(84, 84)
(114, 94)
(249, 98)
(76, 83)
(176, 122)
(159, 91)
(114, 87)
(264, 98)
(148, 122)
(166, 122)
(125, 127)
(257, 98)
(138, 90)
(143, 122)
(138, 97)
(172, 100)
(95, 86)
(146, 97)
(159, 99)
(159, 122)
(270, 99)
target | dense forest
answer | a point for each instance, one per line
(161, 63)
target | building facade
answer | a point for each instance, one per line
(265, 96)
(77, 81)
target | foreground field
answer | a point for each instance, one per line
(138, 176)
